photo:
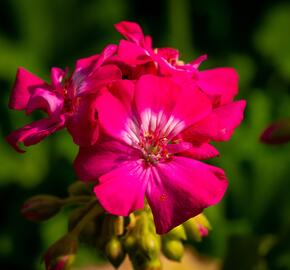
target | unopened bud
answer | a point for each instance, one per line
(61, 254)
(78, 188)
(177, 233)
(149, 245)
(197, 227)
(41, 207)
(277, 132)
(115, 252)
(143, 263)
(129, 243)
(172, 249)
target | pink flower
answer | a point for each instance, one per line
(143, 152)
(138, 54)
(219, 84)
(69, 102)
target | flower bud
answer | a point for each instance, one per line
(143, 263)
(61, 254)
(41, 207)
(149, 244)
(172, 249)
(177, 233)
(129, 243)
(114, 252)
(197, 227)
(277, 132)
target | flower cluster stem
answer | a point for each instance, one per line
(76, 200)
(94, 211)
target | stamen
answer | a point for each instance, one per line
(153, 135)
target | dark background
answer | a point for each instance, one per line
(251, 227)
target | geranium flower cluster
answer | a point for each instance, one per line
(143, 121)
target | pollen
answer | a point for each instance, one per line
(153, 147)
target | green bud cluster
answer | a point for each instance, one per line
(172, 245)
(114, 236)
(197, 227)
(142, 243)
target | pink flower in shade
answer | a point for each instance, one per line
(69, 102)
(144, 153)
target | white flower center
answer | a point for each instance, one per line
(152, 135)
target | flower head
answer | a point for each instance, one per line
(144, 152)
(219, 84)
(143, 120)
(68, 101)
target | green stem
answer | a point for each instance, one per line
(76, 200)
(94, 211)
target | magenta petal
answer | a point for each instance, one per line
(201, 151)
(107, 52)
(122, 190)
(124, 91)
(175, 148)
(113, 115)
(148, 42)
(229, 117)
(166, 68)
(92, 83)
(196, 63)
(45, 100)
(34, 132)
(24, 83)
(86, 63)
(132, 31)
(155, 93)
(185, 102)
(57, 76)
(219, 125)
(220, 83)
(132, 54)
(181, 189)
(168, 54)
(93, 62)
(104, 156)
(83, 123)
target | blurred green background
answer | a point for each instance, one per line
(251, 227)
